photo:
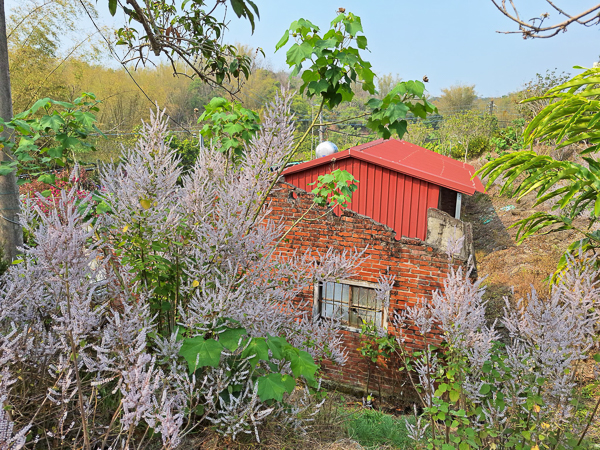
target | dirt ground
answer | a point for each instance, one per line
(511, 270)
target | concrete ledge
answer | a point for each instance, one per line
(442, 227)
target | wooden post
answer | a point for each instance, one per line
(458, 204)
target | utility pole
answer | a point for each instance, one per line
(312, 134)
(11, 233)
(492, 108)
(320, 127)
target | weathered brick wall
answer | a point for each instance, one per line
(418, 269)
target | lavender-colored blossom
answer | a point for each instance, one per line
(8, 439)
(79, 320)
(416, 432)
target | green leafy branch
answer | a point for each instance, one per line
(266, 357)
(334, 189)
(572, 117)
(45, 136)
(186, 32)
(333, 64)
(373, 345)
(229, 123)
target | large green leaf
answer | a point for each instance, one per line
(84, 118)
(274, 385)
(298, 53)
(41, 103)
(353, 27)
(230, 338)
(217, 102)
(304, 365)
(5, 170)
(112, 7)
(53, 121)
(276, 345)
(67, 141)
(47, 178)
(361, 42)
(284, 40)
(257, 347)
(397, 111)
(316, 87)
(200, 352)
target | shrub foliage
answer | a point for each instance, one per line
(156, 307)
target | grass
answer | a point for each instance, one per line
(374, 430)
(340, 425)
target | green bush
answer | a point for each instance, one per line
(509, 138)
(187, 149)
(477, 147)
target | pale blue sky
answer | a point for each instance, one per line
(450, 41)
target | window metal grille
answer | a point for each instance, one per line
(352, 304)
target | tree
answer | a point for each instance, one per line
(386, 82)
(456, 98)
(537, 88)
(38, 37)
(536, 27)
(11, 235)
(461, 130)
(573, 189)
(188, 32)
(332, 66)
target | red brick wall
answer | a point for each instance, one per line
(418, 269)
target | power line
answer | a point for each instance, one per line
(350, 134)
(114, 55)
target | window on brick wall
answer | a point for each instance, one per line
(352, 301)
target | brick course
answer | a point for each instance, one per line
(418, 268)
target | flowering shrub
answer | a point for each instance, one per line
(480, 391)
(168, 312)
(52, 192)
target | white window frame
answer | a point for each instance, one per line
(365, 284)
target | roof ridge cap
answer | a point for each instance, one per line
(361, 147)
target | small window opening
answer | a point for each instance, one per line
(353, 304)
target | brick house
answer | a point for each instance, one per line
(407, 205)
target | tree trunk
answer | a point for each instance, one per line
(11, 234)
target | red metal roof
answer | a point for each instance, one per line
(409, 159)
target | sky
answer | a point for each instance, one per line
(449, 41)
